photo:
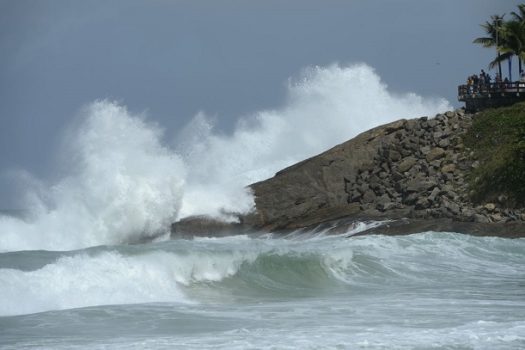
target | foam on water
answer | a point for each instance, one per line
(111, 278)
(122, 184)
(267, 269)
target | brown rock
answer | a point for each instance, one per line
(435, 153)
(368, 197)
(449, 168)
(433, 195)
(490, 207)
(406, 164)
(204, 226)
(422, 203)
(444, 143)
(481, 218)
(394, 155)
(418, 185)
(496, 217)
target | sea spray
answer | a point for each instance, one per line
(324, 106)
(122, 184)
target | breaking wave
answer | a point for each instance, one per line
(123, 184)
(239, 268)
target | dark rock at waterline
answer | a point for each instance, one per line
(410, 226)
(204, 226)
(201, 226)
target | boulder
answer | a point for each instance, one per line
(444, 143)
(418, 185)
(422, 203)
(205, 226)
(481, 218)
(490, 207)
(433, 195)
(435, 153)
(406, 164)
(449, 168)
(394, 155)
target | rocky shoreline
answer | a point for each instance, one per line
(411, 171)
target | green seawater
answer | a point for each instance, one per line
(423, 291)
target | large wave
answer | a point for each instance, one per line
(124, 184)
(239, 268)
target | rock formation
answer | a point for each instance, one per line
(406, 169)
(413, 171)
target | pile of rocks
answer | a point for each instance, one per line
(421, 173)
(413, 168)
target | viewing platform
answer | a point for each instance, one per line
(491, 95)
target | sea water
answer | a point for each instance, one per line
(72, 275)
(311, 291)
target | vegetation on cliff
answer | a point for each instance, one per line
(497, 140)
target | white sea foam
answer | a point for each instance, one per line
(415, 266)
(122, 184)
(112, 278)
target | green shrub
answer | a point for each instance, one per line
(497, 138)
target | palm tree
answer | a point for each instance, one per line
(493, 31)
(512, 43)
(520, 17)
(519, 33)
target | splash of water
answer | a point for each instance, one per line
(123, 184)
(325, 106)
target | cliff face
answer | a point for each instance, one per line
(406, 169)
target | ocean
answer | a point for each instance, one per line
(88, 263)
(301, 291)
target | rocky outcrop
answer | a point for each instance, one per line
(195, 226)
(406, 169)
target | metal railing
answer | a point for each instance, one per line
(491, 90)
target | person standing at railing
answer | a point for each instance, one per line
(483, 77)
(470, 85)
(475, 81)
(507, 83)
(482, 85)
(521, 83)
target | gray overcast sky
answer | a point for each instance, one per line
(227, 58)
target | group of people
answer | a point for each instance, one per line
(482, 82)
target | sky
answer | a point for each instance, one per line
(174, 59)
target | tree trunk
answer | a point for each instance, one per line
(510, 69)
(499, 67)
